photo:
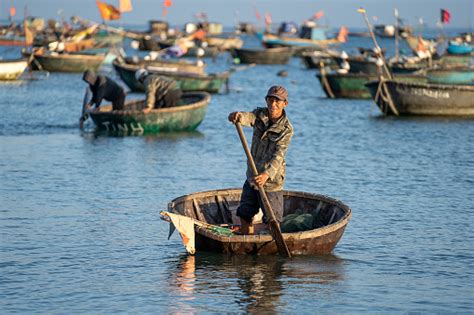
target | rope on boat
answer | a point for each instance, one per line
(384, 94)
(322, 71)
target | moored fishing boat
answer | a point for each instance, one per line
(456, 48)
(224, 43)
(168, 65)
(67, 62)
(423, 99)
(451, 75)
(211, 83)
(278, 55)
(11, 69)
(186, 116)
(205, 219)
(452, 60)
(352, 85)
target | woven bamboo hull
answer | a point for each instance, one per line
(186, 117)
(219, 207)
(69, 62)
(280, 55)
(426, 99)
(451, 76)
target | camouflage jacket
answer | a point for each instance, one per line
(156, 88)
(270, 143)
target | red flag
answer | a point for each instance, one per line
(268, 18)
(445, 16)
(12, 11)
(167, 3)
(108, 11)
(318, 15)
(257, 15)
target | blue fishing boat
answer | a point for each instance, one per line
(451, 75)
(459, 48)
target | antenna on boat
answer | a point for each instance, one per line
(377, 47)
(397, 35)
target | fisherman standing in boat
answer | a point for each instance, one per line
(102, 87)
(272, 133)
(160, 91)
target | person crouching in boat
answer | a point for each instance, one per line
(160, 91)
(102, 87)
(272, 133)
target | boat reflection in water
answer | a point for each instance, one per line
(258, 283)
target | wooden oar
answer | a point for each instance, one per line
(272, 222)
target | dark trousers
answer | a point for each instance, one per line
(119, 102)
(250, 203)
(171, 98)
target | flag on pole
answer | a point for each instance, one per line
(107, 11)
(12, 11)
(445, 16)
(166, 5)
(318, 15)
(342, 36)
(125, 6)
(268, 19)
(257, 15)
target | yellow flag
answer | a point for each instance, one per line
(125, 6)
(361, 10)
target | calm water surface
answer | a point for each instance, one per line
(80, 229)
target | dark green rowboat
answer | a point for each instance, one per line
(353, 85)
(186, 116)
(423, 98)
(187, 82)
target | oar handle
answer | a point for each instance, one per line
(272, 222)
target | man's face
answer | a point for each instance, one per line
(275, 107)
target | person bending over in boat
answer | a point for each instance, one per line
(160, 91)
(272, 133)
(103, 87)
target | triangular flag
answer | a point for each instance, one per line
(342, 36)
(125, 6)
(108, 11)
(318, 15)
(268, 18)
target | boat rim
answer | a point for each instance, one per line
(302, 235)
(206, 97)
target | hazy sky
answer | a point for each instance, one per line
(336, 12)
